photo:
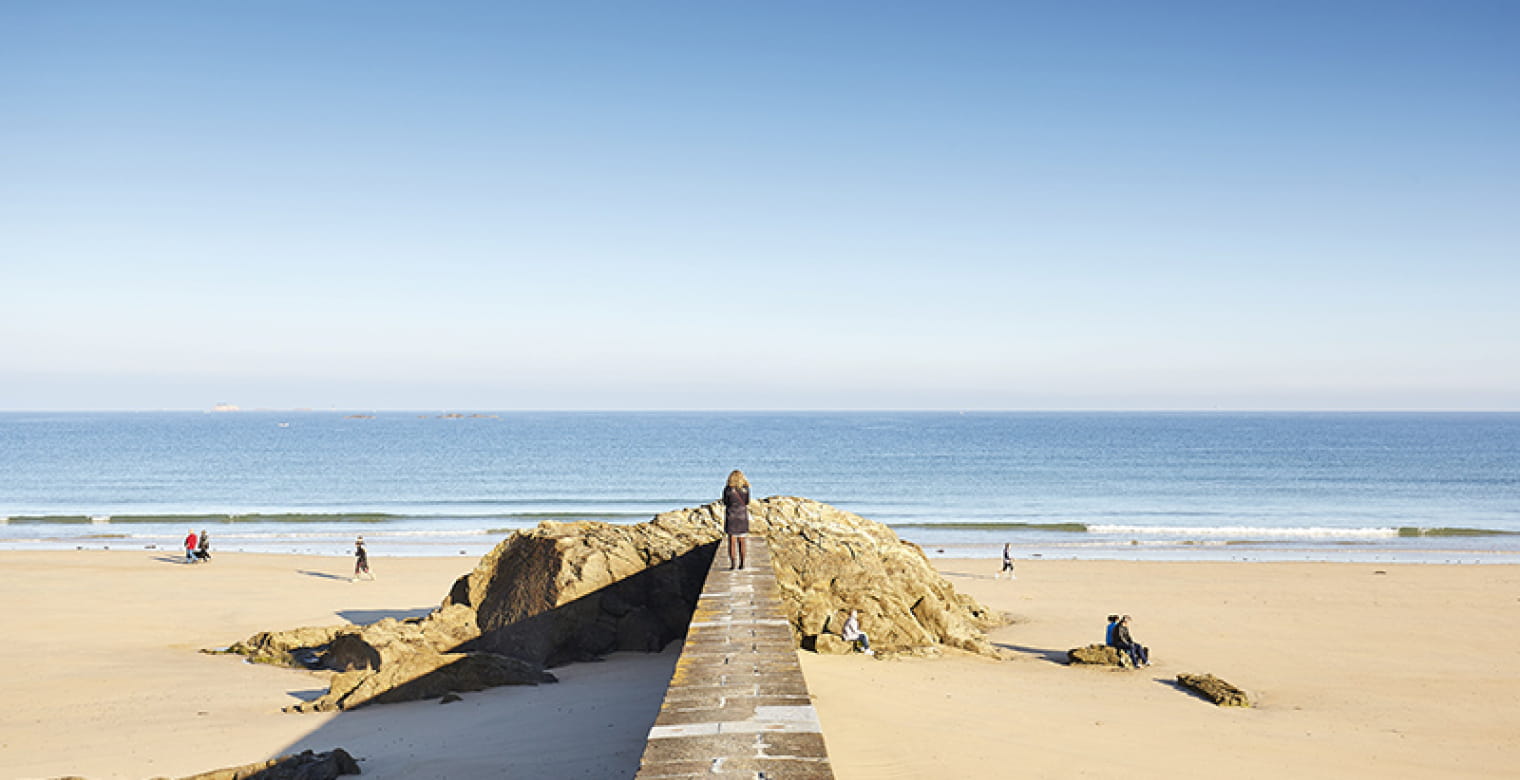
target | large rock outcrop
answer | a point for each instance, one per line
(829, 561)
(566, 592)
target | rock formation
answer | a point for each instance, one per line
(567, 592)
(1097, 655)
(829, 561)
(1215, 690)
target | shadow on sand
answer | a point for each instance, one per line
(363, 617)
(1053, 656)
(306, 694)
(1171, 682)
(969, 575)
(323, 575)
(180, 559)
(593, 723)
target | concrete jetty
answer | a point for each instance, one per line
(737, 704)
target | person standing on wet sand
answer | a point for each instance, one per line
(736, 515)
(190, 540)
(361, 560)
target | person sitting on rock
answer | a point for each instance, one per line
(1139, 654)
(852, 634)
(1108, 636)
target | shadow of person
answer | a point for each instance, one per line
(1046, 654)
(322, 575)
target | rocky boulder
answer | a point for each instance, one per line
(1097, 655)
(1214, 689)
(296, 647)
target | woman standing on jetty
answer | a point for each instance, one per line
(736, 514)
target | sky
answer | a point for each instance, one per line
(360, 204)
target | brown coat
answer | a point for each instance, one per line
(736, 511)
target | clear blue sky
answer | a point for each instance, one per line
(716, 205)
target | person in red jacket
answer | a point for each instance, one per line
(190, 547)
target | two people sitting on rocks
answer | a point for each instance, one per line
(1118, 636)
(851, 633)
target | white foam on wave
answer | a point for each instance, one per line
(1242, 532)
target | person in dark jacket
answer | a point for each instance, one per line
(1139, 654)
(736, 515)
(361, 560)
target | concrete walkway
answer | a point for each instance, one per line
(737, 705)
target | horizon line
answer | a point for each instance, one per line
(776, 410)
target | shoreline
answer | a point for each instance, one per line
(469, 544)
(1356, 669)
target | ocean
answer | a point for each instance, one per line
(1375, 487)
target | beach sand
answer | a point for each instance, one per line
(1414, 672)
(1409, 673)
(102, 677)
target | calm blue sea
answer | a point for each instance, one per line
(1228, 486)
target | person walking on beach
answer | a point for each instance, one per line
(1007, 565)
(361, 560)
(852, 633)
(190, 541)
(1138, 654)
(736, 515)
(203, 549)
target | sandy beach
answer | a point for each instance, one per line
(1358, 671)
(102, 676)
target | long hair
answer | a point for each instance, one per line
(736, 480)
